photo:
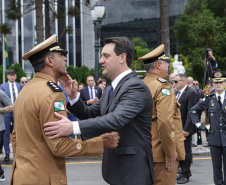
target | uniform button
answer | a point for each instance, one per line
(221, 124)
(221, 111)
(220, 117)
(221, 130)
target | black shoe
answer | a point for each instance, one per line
(179, 176)
(2, 178)
(183, 180)
(6, 157)
(179, 170)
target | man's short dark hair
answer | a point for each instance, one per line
(39, 65)
(11, 72)
(103, 78)
(183, 76)
(122, 45)
(90, 76)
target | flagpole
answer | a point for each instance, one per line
(3, 41)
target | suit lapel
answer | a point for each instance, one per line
(183, 94)
(116, 90)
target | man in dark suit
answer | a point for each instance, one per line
(126, 107)
(90, 94)
(12, 89)
(215, 104)
(196, 131)
(187, 98)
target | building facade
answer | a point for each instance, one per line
(129, 18)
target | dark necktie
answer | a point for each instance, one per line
(91, 93)
(14, 93)
(219, 101)
(178, 95)
(110, 93)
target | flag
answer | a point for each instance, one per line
(6, 53)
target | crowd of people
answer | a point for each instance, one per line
(148, 126)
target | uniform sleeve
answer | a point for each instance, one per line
(4, 98)
(165, 114)
(191, 102)
(197, 109)
(65, 146)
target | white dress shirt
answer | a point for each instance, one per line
(76, 128)
(11, 91)
(181, 92)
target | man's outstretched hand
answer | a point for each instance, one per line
(69, 86)
(110, 140)
(56, 129)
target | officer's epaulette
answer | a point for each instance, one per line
(54, 86)
(211, 94)
(162, 80)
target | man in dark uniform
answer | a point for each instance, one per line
(215, 103)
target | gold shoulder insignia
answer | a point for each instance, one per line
(162, 80)
(54, 87)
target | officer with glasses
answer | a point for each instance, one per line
(215, 104)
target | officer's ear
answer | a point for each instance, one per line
(49, 61)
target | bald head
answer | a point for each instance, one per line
(172, 77)
(190, 80)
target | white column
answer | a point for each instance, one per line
(34, 25)
(67, 40)
(44, 22)
(56, 21)
(17, 39)
(74, 38)
(81, 22)
(22, 31)
(3, 41)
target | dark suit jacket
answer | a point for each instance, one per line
(5, 87)
(187, 100)
(129, 112)
(84, 94)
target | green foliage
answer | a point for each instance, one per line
(19, 71)
(81, 73)
(140, 49)
(137, 41)
(74, 11)
(5, 29)
(68, 29)
(13, 12)
(201, 25)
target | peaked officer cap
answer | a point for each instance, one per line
(219, 76)
(156, 54)
(45, 47)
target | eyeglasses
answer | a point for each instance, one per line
(175, 81)
(195, 84)
(24, 82)
(218, 82)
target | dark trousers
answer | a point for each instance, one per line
(1, 170)
(217, 152)
(186, 164)
(8, 130)
(1, 138)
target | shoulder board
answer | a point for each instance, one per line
(54, 87)
(211, 94)
(162, 80)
